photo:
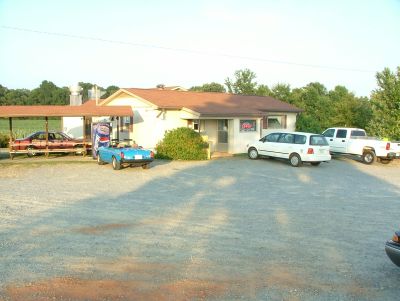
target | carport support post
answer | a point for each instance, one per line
(84, 135)
(47, 136)
(11, 137)
(117, 128)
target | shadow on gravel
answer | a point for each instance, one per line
(226, 229)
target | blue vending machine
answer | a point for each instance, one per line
(101, 136)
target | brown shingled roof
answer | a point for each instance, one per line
(213, 104)
(64, 111)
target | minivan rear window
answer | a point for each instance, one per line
(318, 140)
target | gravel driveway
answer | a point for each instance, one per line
(226, 229)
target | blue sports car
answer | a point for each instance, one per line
(120, 154)
(392, 248)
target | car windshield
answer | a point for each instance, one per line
(318, 140)
(65, 135)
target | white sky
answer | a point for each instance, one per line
(338, 36)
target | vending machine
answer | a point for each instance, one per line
(101, 136)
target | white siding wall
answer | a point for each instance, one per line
(73, 126)
(241, 139)
(149, 124)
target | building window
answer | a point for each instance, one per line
(125, 123)
(196, 124)
(274, 122)
(248, 125)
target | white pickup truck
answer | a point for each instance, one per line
(353, 141)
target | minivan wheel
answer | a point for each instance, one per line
(253, 153)
(295, 160)
(368, 157)
(116, 164)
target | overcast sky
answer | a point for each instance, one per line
(144, 43)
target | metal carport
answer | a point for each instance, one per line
(11, 112)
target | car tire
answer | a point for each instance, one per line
(295, 160)
(99, 161)
(31, 151)
(253, 153)
(368, 157)
(146, 166)
(315, 163)
(116, 164)
(78, 149)
(385, 161)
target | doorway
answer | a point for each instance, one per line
(222, 144)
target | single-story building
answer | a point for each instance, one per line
(228, 121)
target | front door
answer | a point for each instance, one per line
(222, 145)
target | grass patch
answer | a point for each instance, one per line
(241, 155)
(22, 127)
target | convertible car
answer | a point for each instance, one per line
(392, 249)
(123, 154)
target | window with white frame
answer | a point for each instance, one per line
(274, 122)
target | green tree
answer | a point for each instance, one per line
(263, 90)
(110, 90)
(385, 102)
(349, 110)
(243, 83)
(314, 99)
(282, 92)
(362, 113)
(49, 94)
(16, 97)
(209, 87)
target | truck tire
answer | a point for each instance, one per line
(368, 157)
(385, 161)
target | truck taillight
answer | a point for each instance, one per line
(310, 151)
(151, 155)
(122, 155)
(387, 146)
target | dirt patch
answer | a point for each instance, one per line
(80, 289)
(100, 229)
(248, 286)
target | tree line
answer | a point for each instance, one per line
(46, 94)
(323, 108)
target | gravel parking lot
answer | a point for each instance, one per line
(226, 229)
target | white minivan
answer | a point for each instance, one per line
(298, 147)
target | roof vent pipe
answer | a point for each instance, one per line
(75, 98)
